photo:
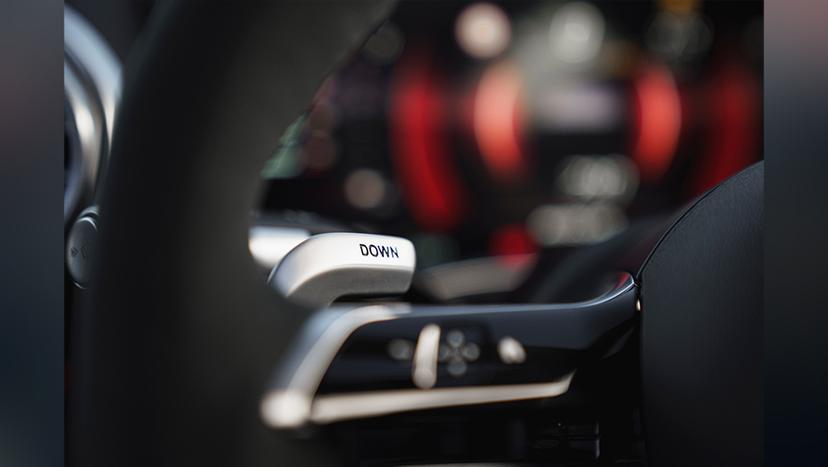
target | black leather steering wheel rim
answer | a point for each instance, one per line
(702, 330)
(181, 334)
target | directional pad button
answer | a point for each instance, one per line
(457, 352)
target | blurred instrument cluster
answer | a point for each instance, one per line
(495, 130)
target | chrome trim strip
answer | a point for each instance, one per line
(86, 139)
(288, 404)
(92, 90)
(338, 407)
(88, 49)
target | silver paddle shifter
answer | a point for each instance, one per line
(328, 266)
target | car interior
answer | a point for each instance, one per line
(412, 232)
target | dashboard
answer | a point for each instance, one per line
(500, 138)
(488, 133)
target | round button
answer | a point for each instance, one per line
(511, 351)
(457, 367)
(455, 338)
(80, 249)
(470, 352)
(401, 349)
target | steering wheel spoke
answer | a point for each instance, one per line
(367, 361)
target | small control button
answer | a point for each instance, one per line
(401, 349)
(470, 352)
(443, 353)
(455, 338)
(457, 353)
(457, 367)
(511, 351)
(80, 247)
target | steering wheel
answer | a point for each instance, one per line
(181, 335)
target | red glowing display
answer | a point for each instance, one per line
(656, 122)
(423, 164)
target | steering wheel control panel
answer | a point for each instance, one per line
(368, 361)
